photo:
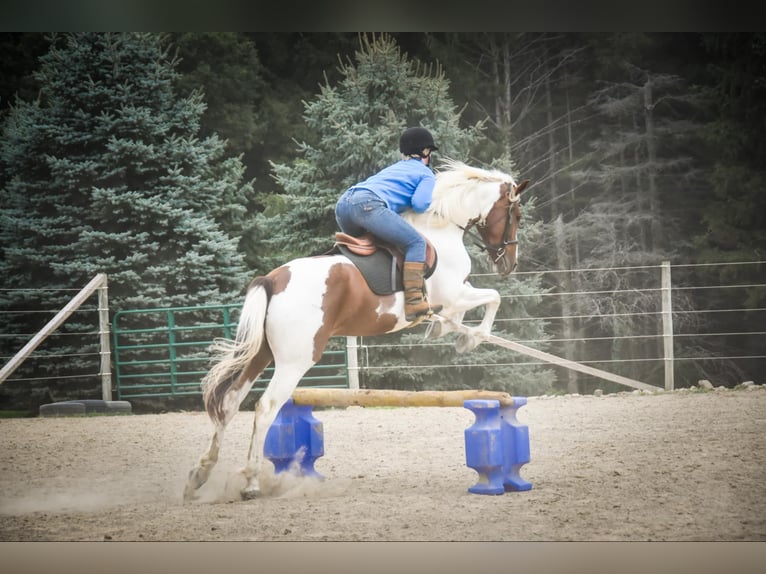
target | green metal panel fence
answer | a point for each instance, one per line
(165, 352)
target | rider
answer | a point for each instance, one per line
(374, 206)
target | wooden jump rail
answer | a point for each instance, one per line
(392, 398)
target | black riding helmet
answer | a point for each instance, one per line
(414, 140)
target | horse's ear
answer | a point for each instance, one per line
(519, 188)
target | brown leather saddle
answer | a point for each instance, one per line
(380, 263)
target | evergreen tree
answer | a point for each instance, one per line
(732, 226)
(19, 53)
(105, 172)
(227, 68)
(356, 127)
(639, 171)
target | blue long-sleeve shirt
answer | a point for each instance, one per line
(404, 184)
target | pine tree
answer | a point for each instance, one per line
(732, 227)
(356, 127)
(643, 184)
(105, 172)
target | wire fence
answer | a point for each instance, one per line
(610, 317)
(77, 349)
(613, 318)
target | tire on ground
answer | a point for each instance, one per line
(99, 406)
(85, 406)
(61, 409)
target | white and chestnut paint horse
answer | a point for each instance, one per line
(290, 314)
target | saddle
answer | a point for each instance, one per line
(380, 263)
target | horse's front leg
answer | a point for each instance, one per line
(466, 299)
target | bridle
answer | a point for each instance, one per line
(479, 239)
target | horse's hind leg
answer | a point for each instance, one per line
(279, 390)
(200, 473)
(230, 407)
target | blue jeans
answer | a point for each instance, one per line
(360, 210)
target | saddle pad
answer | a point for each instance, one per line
(378, 269)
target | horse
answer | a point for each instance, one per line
(289, 314)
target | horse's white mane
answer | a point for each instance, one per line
(457, 169)
(464, 192)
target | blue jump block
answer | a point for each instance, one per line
(295, 436)
(497, 446)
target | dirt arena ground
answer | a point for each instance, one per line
(681, 466)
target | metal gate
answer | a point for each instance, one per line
(165, 352)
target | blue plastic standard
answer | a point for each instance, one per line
(483, 446)
(295, 436)
(515, 446)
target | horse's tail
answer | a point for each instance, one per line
(232, 357)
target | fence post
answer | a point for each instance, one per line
(667, 325)
(103, 329)
(226, 323)
(352, 362)
(172, 349)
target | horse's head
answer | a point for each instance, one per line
(499, 229)
(483, 201)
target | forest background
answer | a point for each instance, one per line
(183, 164)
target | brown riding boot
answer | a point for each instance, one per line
(415, 302)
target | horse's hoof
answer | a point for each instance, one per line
(250, 493)
(466, 343)
(434, 330)
(190, 495)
